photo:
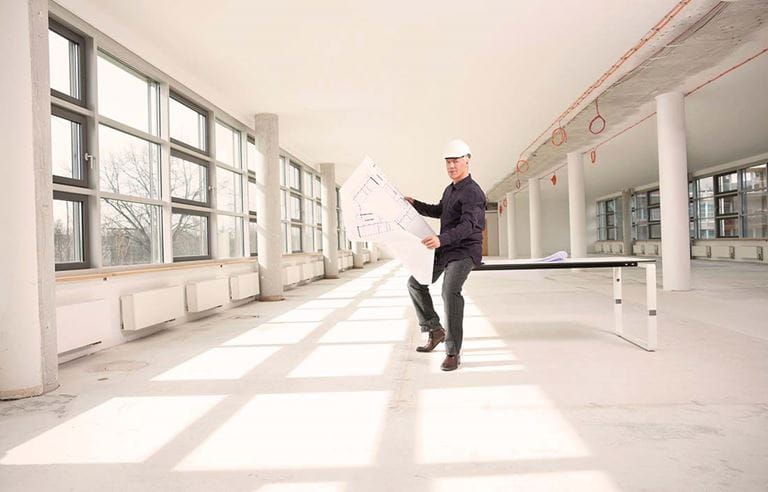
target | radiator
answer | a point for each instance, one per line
(617, 248)
(142, 309)
(81, 324)
(245, 285)
(207, 294)
(722, 252)
(638, 249)
(307, 271)
(701, 251)
(598, 247)
(319, 269)
(749, 252)
(291, 274)
(652, 249)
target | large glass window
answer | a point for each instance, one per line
(252, 196)
(230, 236)
(190, 235)
(189, 179)
(188, 123)
(255, 158)
(704, 207)
(755, 200)
(128, 165)
(69, 231)
(130, 233)
(227, 145)
(127, 96)
(609, 220)
(65, 60)
(294, 176)
(253, 237)
(726, 204)
(68, 147)
(228, 190)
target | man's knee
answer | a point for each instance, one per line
(414, 285)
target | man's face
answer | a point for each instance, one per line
(457, 167)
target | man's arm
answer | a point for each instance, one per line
(425, 208)
(472, 215)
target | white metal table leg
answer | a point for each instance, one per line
(618, 318)
(650, 300)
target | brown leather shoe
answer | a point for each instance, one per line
(451, 362)
(435, 337)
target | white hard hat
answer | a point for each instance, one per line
(456, 148)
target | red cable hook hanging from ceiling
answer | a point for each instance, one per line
(597, 122)
(593, 155)
(522, 166)
(559, 135)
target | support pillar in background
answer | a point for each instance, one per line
(374, 252)
(357, 254)
(577, 214)
(330, 220)
(28, 350)
(673, 188)
(270, 251)
(511, 225)
(626, 221)
(534, 201)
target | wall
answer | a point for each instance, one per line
(492, 224)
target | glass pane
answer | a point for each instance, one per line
(252, 196)
(757, 202)
(66, 151)
(318, 239)
(68, 231)
(692, 229)
(602, 235)
(755, 178)
(706, 186)
(228, 190)
(601, 208)
(601, 222)
(728, 227)
(612, 234)
(706, 228)
(610, 206)
(727, 182)
(189, 180)
(655, 231)
(296, 245)
(64, 64)
(641, 201)
(642, 232)
(318, 214)
(634, 233)
(610, 220)
(227, 145)
(690, 189)
(654, 197)
(756, 225)
(283, 199)
(317, 192)
(691, 210)
(127, 97)
(230, 236)
(309, 239)
(188, 125)
(309, 211)
(255, 159)
(308, 179)
(253, 237)
(190, 235)
(128, 165)
(294, 176)
(655, 213)
(706, 208)
(727, 205)
(284, 233)
(295, 208)
(130, 233)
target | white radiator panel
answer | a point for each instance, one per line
(245, 285)
(599, 248)
(292, 274)
(319, 269)
(652, 249)
(700, 251)
(722, 252)
(207, 294)
(81, 324)
(617, 247)
(749, 252)
(638, 249)
(151, 307)
(307, 271)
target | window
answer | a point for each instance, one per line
(127, 96)
(755, 199)
(188, 124)
(189, 230)
(294, 176)
(130, 233)
(609, 220)
(66, 63)
(253, 237)
(227, 145)
(228, 190)
(255, 158)
(726, 204)
(189, 179)
(704, 207)
(70, 226)
(68, 147)
(252, 196)
(128, 165)
(230, 236)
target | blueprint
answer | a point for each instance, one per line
(374, 210)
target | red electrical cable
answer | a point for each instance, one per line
(522, 166)
(559, 136)
(593, 155)
(726, 72)
(597, 119)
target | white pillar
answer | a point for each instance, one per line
(28, 353)
(673, 187)
(534, 201)
(576, 205)
(357, 254)
(511, 225)
(268, 202)
(330, 220)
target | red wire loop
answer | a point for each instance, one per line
(559, 136)
(593, 155)
(522, 166)
(597, 119)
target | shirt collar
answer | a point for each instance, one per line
(462, 183)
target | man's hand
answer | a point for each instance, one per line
(408, 199)
(431, 242)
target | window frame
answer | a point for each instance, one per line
(82, 120)
(187, 211)
(83, 200)
(197, 108)
(65, 32)
(195, 160)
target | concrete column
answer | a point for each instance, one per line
(673, 187)
(357, 254)
(577, 205)
(28, 353)
(268, 202)
(511, 225)
(534, 201)
(330, 221)
(626, 221)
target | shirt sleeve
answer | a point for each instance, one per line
(427, 209)
(471, 220)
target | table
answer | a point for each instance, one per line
(616, 263)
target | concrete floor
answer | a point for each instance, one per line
(324, 392)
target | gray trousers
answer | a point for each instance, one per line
(456, 272)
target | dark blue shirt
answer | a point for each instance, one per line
(462, 219)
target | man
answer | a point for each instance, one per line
(458, 249)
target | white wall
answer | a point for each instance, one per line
(492, 224)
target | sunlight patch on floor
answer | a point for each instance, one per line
(274, 334)
(219, 363)
(345, 360)
(390, 330)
